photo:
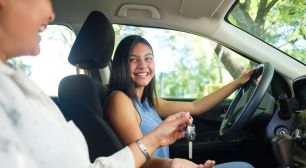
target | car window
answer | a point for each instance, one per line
(51, 65)
(280, 23)
(188, 66)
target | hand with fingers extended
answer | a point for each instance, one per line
(173, 128)
(183, 163)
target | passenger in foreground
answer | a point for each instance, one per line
(34, 133)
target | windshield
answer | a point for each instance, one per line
(280, 23)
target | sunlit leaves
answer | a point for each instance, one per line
(283, 23)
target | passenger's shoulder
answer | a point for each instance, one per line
(117, 104)
(115, 95)
(118, 97)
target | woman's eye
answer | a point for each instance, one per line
(132, 60)
(149, 58)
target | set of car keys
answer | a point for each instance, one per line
(190, 135)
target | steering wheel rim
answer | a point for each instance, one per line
(246, 101)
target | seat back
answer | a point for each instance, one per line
(79, 95)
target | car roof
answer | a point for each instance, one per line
(195, 16)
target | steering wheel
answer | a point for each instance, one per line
(246, 101)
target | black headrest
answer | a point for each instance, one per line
(94, 44)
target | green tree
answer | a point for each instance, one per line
(195, 66)
(278, 22)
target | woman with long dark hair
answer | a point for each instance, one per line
(133, 109)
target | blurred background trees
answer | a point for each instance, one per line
(277, 22)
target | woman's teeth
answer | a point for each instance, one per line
(142, 74)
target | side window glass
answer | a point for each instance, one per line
(188, 66)
(51, 65)
(280, 23)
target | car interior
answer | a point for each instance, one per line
(263, 123)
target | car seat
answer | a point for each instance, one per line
(79, 95)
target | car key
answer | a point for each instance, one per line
(190, 135)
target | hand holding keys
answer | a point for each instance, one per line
(190, 135)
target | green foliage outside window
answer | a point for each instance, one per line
(187, 66)
(281, 23)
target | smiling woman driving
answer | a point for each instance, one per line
(132, 97)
